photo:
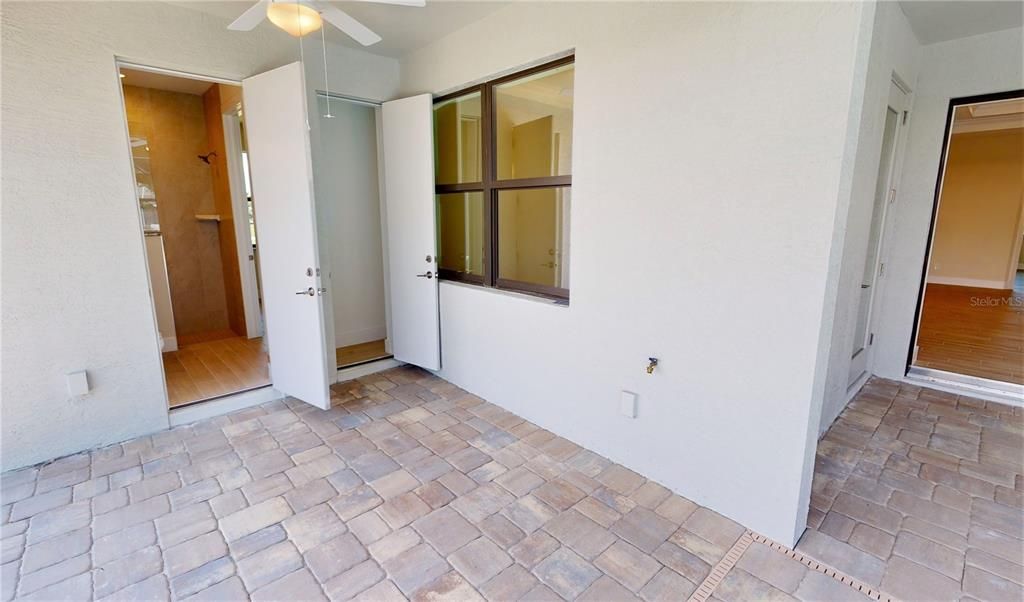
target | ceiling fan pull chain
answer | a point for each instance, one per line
(327, 83)
(302, 55)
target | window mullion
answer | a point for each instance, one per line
(490, 198)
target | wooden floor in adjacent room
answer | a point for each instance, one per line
(210, 369)
(363, 352)
(973, 331)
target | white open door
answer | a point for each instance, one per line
(408, 150)
(282, 187)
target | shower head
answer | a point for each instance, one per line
(206, 158)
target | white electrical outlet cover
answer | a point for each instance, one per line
(627, 404)
(78, 383)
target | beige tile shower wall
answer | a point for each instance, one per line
(184, 188)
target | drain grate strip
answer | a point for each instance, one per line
(726, 564)
(825, 569)
(720, 570)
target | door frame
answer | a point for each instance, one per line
(243, 239)
(892, 177)
(127, 63)
(943, 158)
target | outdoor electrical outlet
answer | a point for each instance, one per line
(78, 383)
(627, 404)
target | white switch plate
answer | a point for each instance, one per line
(627, 404)
(78, 383)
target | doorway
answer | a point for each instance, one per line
(885, 193)
(189, 159)
(969, 326)
(348, 206)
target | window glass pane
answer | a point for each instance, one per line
(533, 235)
(457, 151)
(533, 118)
(460, 224)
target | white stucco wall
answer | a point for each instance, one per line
(74, 285)
(980, 64)
(894, 50)
(702, 222)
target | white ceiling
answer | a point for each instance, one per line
(939, 21)
(403, 28)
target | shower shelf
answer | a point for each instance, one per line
(208, 217)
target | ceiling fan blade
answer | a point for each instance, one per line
(252, 17)
(398, 2)
(355, 30)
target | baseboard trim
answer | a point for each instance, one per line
(968, 282)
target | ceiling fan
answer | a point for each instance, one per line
(299, 17)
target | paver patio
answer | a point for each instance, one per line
(410, 488)
(920, 492)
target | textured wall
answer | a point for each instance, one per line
(894, 50)
(691, 148)
(75, 291)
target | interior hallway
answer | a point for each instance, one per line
(208, 369)
(973, 331)
(411, 488)
(921, 491)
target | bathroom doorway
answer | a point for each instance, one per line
(188, 147)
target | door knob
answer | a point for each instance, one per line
(309, 291)
(427, 275)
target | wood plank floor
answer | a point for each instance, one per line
(363, 352)
(973, 331)
(214, 368)
(185, 340)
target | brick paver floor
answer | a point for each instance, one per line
(920, 492)
(410, 488)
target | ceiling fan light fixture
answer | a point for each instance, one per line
(295, 18)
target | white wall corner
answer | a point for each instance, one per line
(823, 363)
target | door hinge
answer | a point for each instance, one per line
(892, 195)
(881, 269)
(871, 338)
(905, 113)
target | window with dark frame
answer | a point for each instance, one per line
(503, 181)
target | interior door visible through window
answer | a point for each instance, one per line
(885, 192)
